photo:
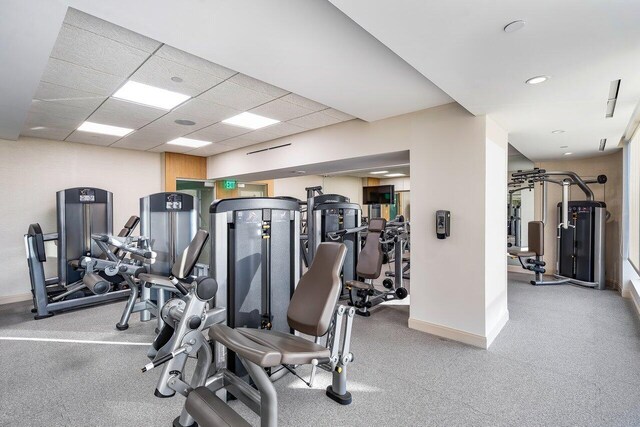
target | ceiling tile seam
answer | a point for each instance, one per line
(87, 68)
(67, 87)
(199, 70)
(269, 140)
(109, 38)
(120, 86)
(178, 106)
(213, 124)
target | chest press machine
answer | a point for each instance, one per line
(580, 251)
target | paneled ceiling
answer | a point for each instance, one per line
(92, 59)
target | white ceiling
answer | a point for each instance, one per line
(461, 47)
(369, 59)
(92, 58)
(306, 47)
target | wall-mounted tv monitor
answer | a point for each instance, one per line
(378, 195)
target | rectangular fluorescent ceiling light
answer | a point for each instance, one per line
(394, 175)
(603, 143)
(379, 172)
(104, 129)
(187, 142)
(250, 121)
(150, 95)
(614, 89)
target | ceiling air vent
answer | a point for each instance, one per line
(614, 87)
(267, 149)
(603, 143)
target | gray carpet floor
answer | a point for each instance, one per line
(568, 357)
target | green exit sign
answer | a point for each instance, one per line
(229, 185)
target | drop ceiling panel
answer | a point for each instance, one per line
(283, 129)
(303, 102)
(257, 85)
(315, 120)
(236, 96)
(47, 120)
(74, 76)
(159, 71)
(125, 114)
(192, 61)
(171, 149)
(96, 52)
(92, 138)
(338, 114)
(210, 150)
(202, 112)
(98, 26)
(46, 133)
(281, 110)
(64, 111)
(260, 135)
(147, 138)
(218, 132)
(68, 96)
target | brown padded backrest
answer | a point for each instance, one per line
(536, 237)
(187, 260)
(316, 295)
(370, 258)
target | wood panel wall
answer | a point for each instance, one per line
(182, 166)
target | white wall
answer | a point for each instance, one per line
(400, 184)
(348, 186)
(456, 281)
(32, 170)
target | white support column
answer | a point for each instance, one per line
(459, 285)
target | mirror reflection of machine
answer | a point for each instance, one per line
(514, 217)
(169, 220)
(332, 218)
(81, 212)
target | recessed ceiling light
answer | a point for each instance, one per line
(38, 128)
(104, 129)
(188, 142)
(564, 146)
(537, 79)
(185, 122)
(250, 121)
(514, 26)
(568, 153)
(379, 172)
(395, 175)
(176, 79)
(557, 131)
(150, 95)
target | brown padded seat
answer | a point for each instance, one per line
(253, 351)
(314, 300)
(536, 237)
(295, 350)
(183, 266)
(370, 258)
(210, 411)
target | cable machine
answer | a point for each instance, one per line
(580, 232)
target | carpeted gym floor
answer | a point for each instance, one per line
(568, 357)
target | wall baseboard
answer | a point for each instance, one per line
(15, 298)
(449, 333)
(495, 331)
(634, 295)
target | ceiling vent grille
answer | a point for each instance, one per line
(603, 143)
(614, 88)
(267, 149)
